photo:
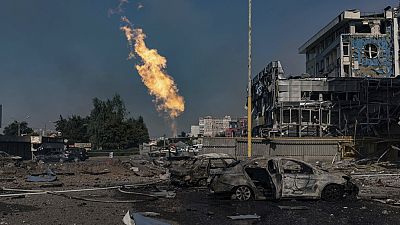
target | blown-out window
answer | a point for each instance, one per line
(371, 51)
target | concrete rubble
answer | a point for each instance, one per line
(140, 179)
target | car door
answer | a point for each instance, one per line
(298, 179)
(276, 177)
(200, 170)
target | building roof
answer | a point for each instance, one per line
(338, 21)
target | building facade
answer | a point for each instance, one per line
(355, 44)
(351, 86)
(212, 126)
(194, 131)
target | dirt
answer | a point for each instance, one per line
(190, 206)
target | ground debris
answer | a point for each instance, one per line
(140, 219)
(244, 217)
(293, 207)
(96, 172)
(47, 176)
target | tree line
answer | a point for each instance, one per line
(107, 127)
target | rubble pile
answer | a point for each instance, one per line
(376, 180)
(81, 174)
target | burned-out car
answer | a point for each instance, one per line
(7, 159)
(277, 178)
(199, 170)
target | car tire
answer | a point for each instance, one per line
(243, 193)
(332, 192)
(202, 182)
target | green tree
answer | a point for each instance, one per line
(74, 128)
(12, 129)
(136, 132)
(107, 126)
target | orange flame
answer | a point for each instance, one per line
(152, 71)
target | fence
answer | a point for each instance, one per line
(307, 149)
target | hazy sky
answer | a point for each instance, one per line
(57, 55)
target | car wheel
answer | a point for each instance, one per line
(332, 192)
(202, 182)
(243, 193)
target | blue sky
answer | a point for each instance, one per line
(57, 55)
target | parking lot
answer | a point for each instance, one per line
(100, 200)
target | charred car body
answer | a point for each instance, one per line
(199, 170)
(6, 159)
(71, 154)
(277, 178)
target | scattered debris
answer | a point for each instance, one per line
(210, 213)
(388, 201)
(244, 217)
(134, 169)
(294, 207)
(150, 214)
(7, 179)
(48, 176)
(140, 219)
(94, 172)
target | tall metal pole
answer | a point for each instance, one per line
(249, 108)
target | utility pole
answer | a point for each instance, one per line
(249, 108)
(19, 128)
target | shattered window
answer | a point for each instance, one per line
(217, 163)
(293, 167)
(371, 51)
(271, 167)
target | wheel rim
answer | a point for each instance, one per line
(243, 193)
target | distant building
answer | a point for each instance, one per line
(226, 126)
(212, 126)
(26, 146)
(237, 128)
(194, 131)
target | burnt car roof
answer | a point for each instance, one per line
(277, 158)
(213, 155)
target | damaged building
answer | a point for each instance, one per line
(351, 86)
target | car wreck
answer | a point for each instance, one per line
(7, 159)
(199, 170)
(278, 178)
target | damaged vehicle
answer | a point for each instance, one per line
(277, 178)
(199, 170)
(7, 159)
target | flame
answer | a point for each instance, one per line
(152, 72)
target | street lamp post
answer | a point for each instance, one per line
(249, 108)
